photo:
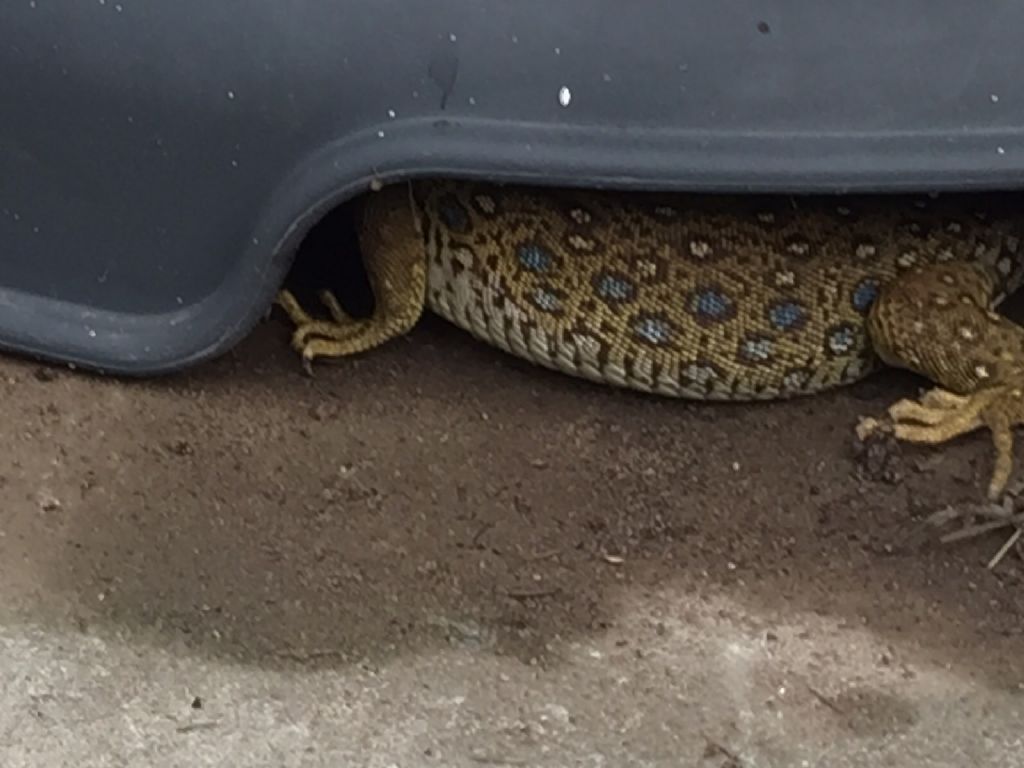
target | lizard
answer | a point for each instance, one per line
(705, 297)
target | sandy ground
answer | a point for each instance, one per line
(435, 555)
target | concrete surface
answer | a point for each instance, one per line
(435, 555)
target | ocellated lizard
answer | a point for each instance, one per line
(706, 297)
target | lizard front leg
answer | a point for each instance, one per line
(937, 321)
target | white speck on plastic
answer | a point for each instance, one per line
(472, 101)
(92, 334)
(515, 39)
(606, 77)
(558, 51)
(993, 97)
(234, 163)
(179, 300)
(31, 3)
(452, 37)
(231, 95)
(380, 134)
(255, 241)
(103, 2)
(1000, 151)
(564, 96)
(392, 114)
(118, 7)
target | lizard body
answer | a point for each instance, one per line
(703, 297)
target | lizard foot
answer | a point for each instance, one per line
(940, 416)
(340, 336)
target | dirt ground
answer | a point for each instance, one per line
(438, 555)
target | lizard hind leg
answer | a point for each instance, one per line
(305, 324)
(307, 327)
(395, 261)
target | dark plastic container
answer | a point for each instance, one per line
(160, 161)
